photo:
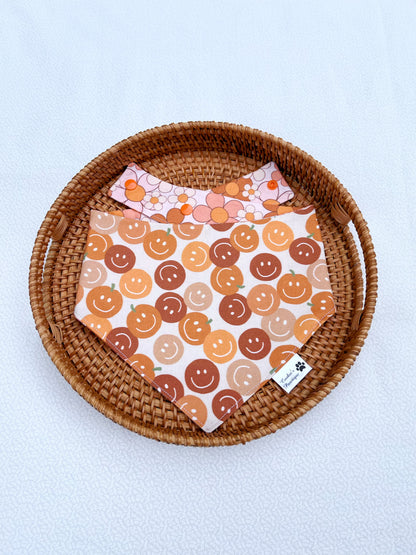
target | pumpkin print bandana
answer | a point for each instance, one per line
(251, 197)
(205, 313)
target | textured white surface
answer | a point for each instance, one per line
(336, 79)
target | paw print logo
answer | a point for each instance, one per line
(300, 366)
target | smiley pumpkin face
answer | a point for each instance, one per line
(198, 296)
(168, 349)
(263, 300)
(122, 341)
(279, 325)
(169, 386)
(135, 284)
(100, 326)
(202, 376)
(227, 281)
(159, 244)
(304, 250)
(143, 365)
(119, 259)
(243, 376)
(194, 407)
(234, 309)
(305, 327)
(171, 306)
(104, 301)
(170, 275)
(144, 320)
(322, 304)
(265, 266)
(294, 288)
(318, 274)
(187, 230)
(195, 256)
(93, 274)
(244, 238)
(277, 236)
(222, 253)
(254, 344)
(133, 231)
(194, 327)
(220, 346)
(312, 227)
(97, 245)
(103, 222)
(225, 403)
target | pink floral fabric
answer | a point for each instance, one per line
(248, 198)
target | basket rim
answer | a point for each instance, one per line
(50, 335)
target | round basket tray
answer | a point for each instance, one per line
(202, 155)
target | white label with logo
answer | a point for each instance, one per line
(292, 373)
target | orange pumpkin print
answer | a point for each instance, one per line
(97, 245)
(220, 346)
(305, 326)
(135, 284)
(104, 301)
(195, 256)
(133, 231)
(277, 236)
(194, 327)
(244, 238)
(227, 281)
(104, 223)
(143, 365)
(312, 227)
(280, 355)
(294, 288)
(194, 407)
(322, 304)
(159, 244)
(100, 326)
(93, 274)
(263, 300)
(144, 320)
(187, 230)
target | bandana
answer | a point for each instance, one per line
(205, 312)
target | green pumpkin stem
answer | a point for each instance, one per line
(113, 285)
(292, 272)
(132, 307)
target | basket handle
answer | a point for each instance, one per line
(38, 277)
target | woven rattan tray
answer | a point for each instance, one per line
(198, 154)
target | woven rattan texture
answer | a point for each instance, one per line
(198, 154)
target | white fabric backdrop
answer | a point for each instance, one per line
(338, 80)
